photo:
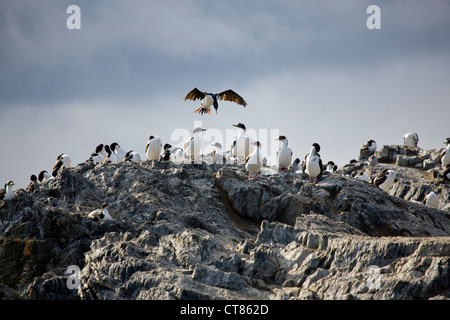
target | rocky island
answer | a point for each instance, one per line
(204, 231)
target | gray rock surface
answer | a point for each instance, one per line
(204, 231)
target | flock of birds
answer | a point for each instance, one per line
(242, 150)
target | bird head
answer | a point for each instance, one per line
(256, 143)
(316, 146)
(240, 125)
(198, 129)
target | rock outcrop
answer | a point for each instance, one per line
(204, 231)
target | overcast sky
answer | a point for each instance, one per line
(309, 70)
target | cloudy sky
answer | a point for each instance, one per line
(309, 70)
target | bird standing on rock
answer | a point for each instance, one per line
(445, 154)
(367, 150)
(210, 99)
(153, 148)
(295, 165)
(193, 145)
(253, 162)
(385, 179)
(313, 164)
(132, 156)
(101, 214)
(284, 155)
(240, 147)
(118, 151)
(411, 139)
(7, 193)
(62, 161)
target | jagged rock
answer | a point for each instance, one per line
(204, 231)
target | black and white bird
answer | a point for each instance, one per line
(100, 149)
(241, 147)
(253, 162)
(217, 155)
(98, 155)
(284, 155)
(313, 164)
(445, 154)
(167, 153)
(153, 148)
(193, 145)
(132, 156)
(43, 176)
(431, 200)
(101, 214)
(295, 165)
(411, 139)
(211, 99)
(363, 176)
(367, 150)
(111, 157)
(62, 161)
(330, 167)
(7, 193)
(118, 151)
(385, 179)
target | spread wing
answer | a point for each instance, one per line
(195, 94)
(230, 95)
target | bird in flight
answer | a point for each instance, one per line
(211, 99)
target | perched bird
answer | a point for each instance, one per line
(153, 148)
(210, 99)
(100, 149)
(367, 150)
(241, 147)
(295, 165)
(166, 155)
(363, 176)
(118, 151)
(98, 155)
(330, 167)
(217, 155)
(445, 154)
(33, 183)
(411, 139)
(132, 156)
(385, 179)
(101, 214)
(44, 176)
(193, 145)
(264, 161)
(96, 158)
(253, 162)
(431, 200)
(7, 193)
(372, 162)
(111, 157)
(62, 161)
(313, 164)
(284, 155)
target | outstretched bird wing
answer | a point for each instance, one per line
(230, 95)
(195, 94)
